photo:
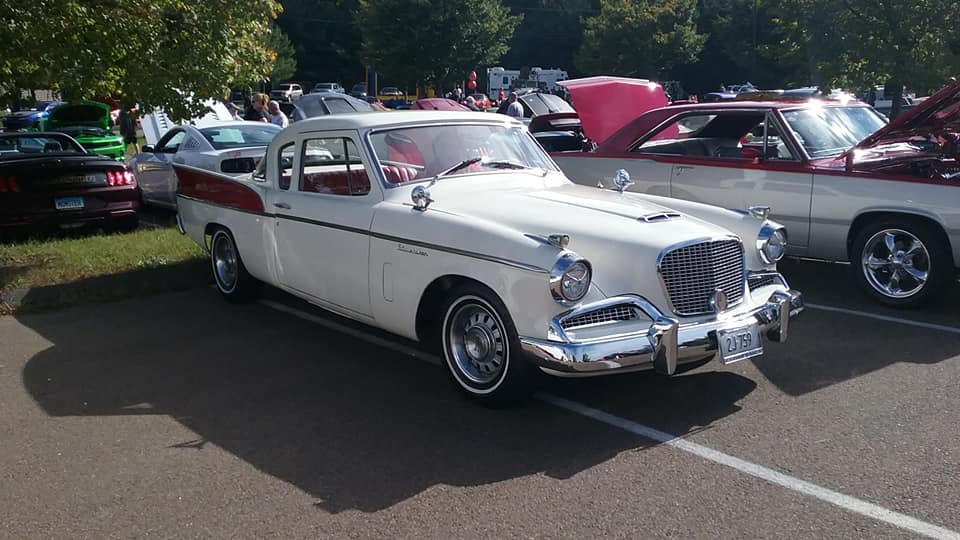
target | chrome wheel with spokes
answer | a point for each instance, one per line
(895, 263)
(901, 261)
(481, 348)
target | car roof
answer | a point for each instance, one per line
(349, 121)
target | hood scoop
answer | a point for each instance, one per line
(660, 216)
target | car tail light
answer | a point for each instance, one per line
(9, 184)
(120, 178)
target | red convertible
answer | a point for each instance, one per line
(848, 185)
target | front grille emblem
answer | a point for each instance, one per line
(718, 300)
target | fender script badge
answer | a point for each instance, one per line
(412, 250)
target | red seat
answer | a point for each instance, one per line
(399, 175)
(337, 182)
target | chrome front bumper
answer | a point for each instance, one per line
(664, 345)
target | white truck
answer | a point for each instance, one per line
(499, 78)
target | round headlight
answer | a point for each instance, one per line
(570, 278)
(772, 243)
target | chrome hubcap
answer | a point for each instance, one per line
(895, 263)
(477, 343)
(225, 262)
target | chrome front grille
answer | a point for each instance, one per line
(692, 273)
(755, 281)
(622, 312)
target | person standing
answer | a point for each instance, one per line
(257, 111)
(514, 108)
(276, 115)
(128, 128)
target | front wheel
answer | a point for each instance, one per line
(901, 262)
(234, 283)
(481, 349)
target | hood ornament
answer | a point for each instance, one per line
(621, 179)
(421, 198)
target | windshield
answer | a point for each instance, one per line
(34, 146)
(830, 131)
(239, 136)
(430, 150)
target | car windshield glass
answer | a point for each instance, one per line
(34, 146)
(830, 131)
(418, 153)
(238, 136)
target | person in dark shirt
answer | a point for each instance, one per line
(257, 111)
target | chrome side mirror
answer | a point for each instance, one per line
(621, 179)
(421, 198)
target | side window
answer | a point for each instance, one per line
(285, 165)
(332, 166)
(337, 106)
(766, 137)
(680, 138)
(170, 144)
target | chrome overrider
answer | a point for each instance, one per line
(664, 344)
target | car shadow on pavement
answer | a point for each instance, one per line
(354, 425)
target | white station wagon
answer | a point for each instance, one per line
(459, 231)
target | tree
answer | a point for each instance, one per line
(893, 42)
(326, 38)
(549, 35)
(149, 52)
(640, 38)
(413, 41)
(284, 65)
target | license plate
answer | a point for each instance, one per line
(739, 344)
(68, 203)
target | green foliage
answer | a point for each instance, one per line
(326, 38)
(858, 44)
(151, 52)
(640, 38)
(412, 41)
(285, 65)
(549, 34)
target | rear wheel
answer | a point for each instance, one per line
(901, 262)
(481, 348)
(233, 281)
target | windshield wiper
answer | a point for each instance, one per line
(462, 165)
(504, 164)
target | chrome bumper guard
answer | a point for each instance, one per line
(666, 344)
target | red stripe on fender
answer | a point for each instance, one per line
(216, 188)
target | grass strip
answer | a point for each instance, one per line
(39, 263)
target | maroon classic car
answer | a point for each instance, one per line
(47, 180)
(848, 186)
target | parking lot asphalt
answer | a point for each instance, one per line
(183, 416)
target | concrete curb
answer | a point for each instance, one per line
(107, 288)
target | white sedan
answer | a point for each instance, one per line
(229, 147)
(457, 230)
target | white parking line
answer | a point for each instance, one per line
(846, 502)
(887, 318)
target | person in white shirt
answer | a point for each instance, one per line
(276, 115)
(514, 109)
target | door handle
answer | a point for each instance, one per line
(680, 168)
(283, 205)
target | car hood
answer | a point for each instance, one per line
(606, 104)
(84, 113)
(594, 218)
(157, 123)
(935, 119)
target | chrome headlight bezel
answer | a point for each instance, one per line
(567, 263)
(772, 242)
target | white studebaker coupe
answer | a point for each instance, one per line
(459, 231)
